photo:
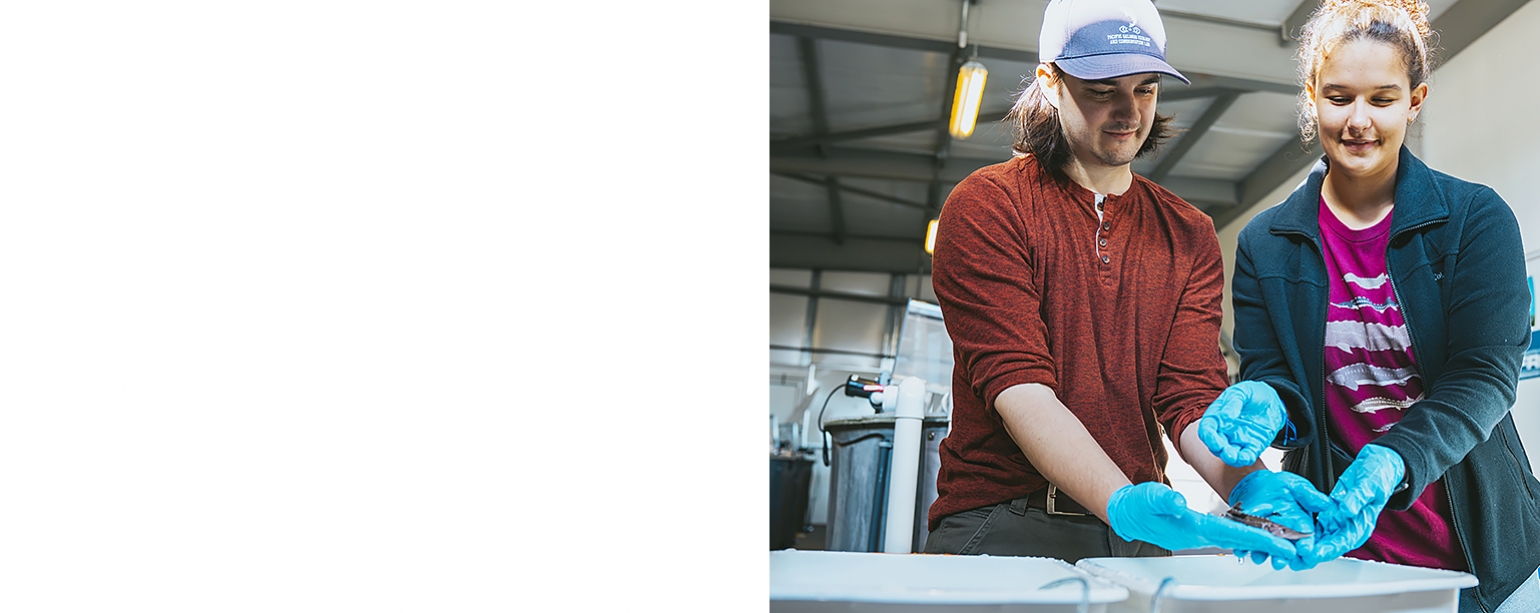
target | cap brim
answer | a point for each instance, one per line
(1114, 65)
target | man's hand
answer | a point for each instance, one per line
(1287, 499)
(1242, 422)
(1156, 514)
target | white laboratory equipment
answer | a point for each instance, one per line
(883, 466)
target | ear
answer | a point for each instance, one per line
(1419, 96)
(1048, 84)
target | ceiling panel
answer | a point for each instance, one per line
(1185, 113)
(788, 90)
(990, 141)
(798, 206)
(867, 217)
(886, 64)
(868, 86)
(1263, 110)
(1269, 12)
(906, 190)
(919, 141)
(1228, 155)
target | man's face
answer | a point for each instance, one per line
(1107, 120)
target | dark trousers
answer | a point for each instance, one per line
(1014, 529)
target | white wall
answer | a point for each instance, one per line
(1479, 112)
(1477, 127)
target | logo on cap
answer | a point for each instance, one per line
(1133, 23)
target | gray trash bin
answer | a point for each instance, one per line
(861, 460)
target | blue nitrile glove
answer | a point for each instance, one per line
(1285, 498)
(1358, 498)
(1242, 422)
(1156, 514)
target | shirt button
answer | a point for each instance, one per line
(1106, 259)
(1098, 206)
(1106, 225)
(1103, 242)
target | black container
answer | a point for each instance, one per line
(789, 483)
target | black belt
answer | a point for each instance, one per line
(1055, 502)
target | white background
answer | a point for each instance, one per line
(327, 306)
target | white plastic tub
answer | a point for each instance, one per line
(1223, 584)
(826, 581)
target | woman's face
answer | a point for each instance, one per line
(1363, 103)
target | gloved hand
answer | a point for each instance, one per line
(1242, 422)
(1156, 514)
(1285, 498)
(1358, 498)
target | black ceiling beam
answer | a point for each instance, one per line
(934, 198)
(1205, 193)
(1460, 25)
(1172, 94)
(875, 164)
(1166, 13)
(853, 190)
(814, 293)
(897, 41)
(1284, 163)
(836, 137)
(1205, 121)
(836, 208)
(807, 49)
(862, 37)
(917, 242)
(797, 142)
(1199, 79)
(1203, 81)
(1288, 32)
(897, 166)
(943, 132)
(856, 255)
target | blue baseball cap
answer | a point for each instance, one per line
(1104, 39)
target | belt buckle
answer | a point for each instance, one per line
(1053, 493)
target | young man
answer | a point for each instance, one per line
(1083, 303)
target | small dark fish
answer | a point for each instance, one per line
(1275, 528)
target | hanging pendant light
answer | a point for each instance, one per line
(970, 85)
(970, 94)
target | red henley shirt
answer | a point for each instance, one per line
(1119, 316)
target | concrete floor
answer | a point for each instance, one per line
(811, 541)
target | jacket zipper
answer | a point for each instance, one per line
(1454, 515)
(1323, 429)
(1323, 432)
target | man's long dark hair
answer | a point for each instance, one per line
(1035, 126)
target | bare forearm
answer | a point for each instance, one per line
(1059, 446)
(1220, 476)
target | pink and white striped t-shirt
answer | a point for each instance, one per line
(1371, 380)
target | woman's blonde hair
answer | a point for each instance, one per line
(1402, 24)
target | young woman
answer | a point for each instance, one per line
(1381, 316)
